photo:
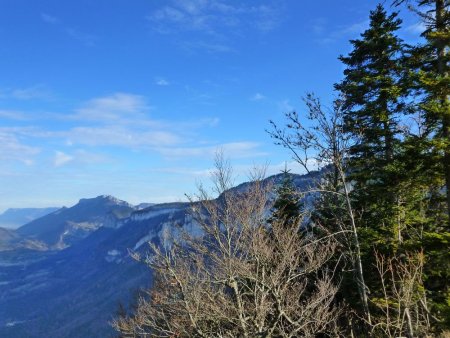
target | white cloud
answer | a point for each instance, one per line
(47, 18)
(117, 120)
(85, 38)
(197, 123)
(76, 34)
(211, 15)
(355, 28)
(328, 35)
(285, 106)
(28, 93)
(79, 156)
(232, 150)
(204, 45)
(210, 122)
(318, 25)
(116, 135)
(12, 149)
(242, 149)
(417, 28)
(257, 97)
(198, 173)
(35, 92)
(162, 82)
(61, 159)
(12, 115)
(86, 157)
(215, 24)
(113, 108)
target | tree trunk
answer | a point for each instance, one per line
(409, 323)
(362, 288)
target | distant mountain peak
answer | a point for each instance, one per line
(105, 199)
(66, 226)
(108, 197)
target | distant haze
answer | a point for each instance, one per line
(14, 218)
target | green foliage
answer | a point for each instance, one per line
(375, 98)
(287, 204)
(398, 173)
(432, 84)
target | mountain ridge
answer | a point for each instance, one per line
(66, 225)
(74, 291)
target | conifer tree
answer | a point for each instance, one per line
(372, 86)
(286, 207)
(430, 64)
(374, 100)
(397, 176)
(431, 61)
(376, 87)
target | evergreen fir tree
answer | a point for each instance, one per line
(430, 71)
(286, 207)
(375, 98)
(431, 63)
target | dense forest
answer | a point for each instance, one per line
(364, 252)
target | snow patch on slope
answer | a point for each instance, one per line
(143, 240)
(142, 216)
(113, 255)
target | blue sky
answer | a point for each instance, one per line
(133, 97)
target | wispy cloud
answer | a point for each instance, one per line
(318, 25)
(115, 107)
(210, 16)
(79, 156)
(197, 173)
(115, 135)
(50, 19)
(326, 34)
(257, 97)
(285, 106)
(75, 33)
(212, 47)
(232, 150)
(12, 115)
(85, 38)
(119, 120)
(215, 23)
(161, 81)
(36, 92)
(354, 28)
(61, 159)
(416, 28)
(12, 149)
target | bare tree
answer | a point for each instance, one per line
(322, 142)
(242, 277)
(402, 308)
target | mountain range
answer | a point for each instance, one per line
(65, 274)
